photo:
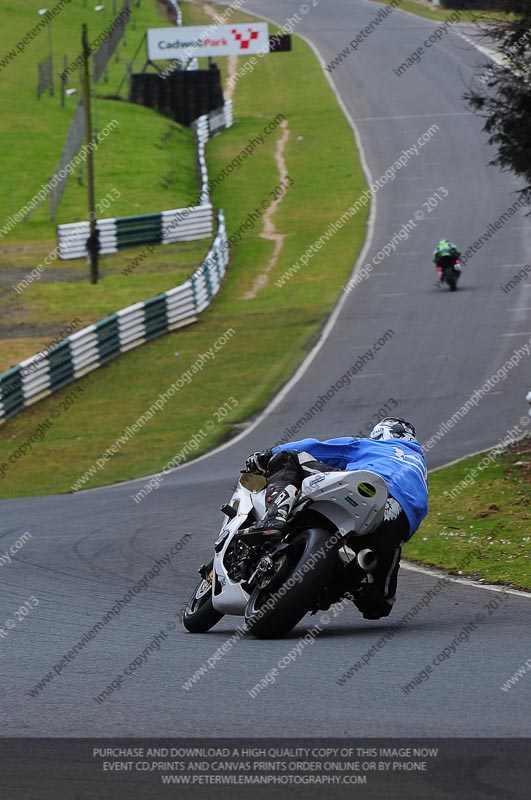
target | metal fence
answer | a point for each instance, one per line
(73, 141)
(76, 132)
(45, 79)
(44, 373)
(103, 54)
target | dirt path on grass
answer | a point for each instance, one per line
(232, 61)
(269, 231)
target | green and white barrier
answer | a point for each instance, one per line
(90, 348)
(163, 227)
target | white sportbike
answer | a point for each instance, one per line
(273, 584)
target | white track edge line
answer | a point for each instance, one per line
(440, 573)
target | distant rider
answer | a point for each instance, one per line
(392, 452)
(446, 254)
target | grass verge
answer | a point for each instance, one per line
(484, 530)
(423, 9)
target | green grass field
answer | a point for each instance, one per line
(486, 525)
(273, 331)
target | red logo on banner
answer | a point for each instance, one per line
(244, 43)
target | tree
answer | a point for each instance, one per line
(504, 99)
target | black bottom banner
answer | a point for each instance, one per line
(413, 769)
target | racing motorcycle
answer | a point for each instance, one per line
(315, 563)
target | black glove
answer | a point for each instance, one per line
(258, 462)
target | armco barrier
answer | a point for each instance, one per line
(205, 127)
(178, 12)
(162, 227)
(95, 345)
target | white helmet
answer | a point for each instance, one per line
(393, 428)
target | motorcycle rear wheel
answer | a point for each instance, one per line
(200, 615)
(297, 599)
(451, 279)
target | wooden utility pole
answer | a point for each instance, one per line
(93, 240)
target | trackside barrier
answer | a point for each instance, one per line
(165, 227)
(178, 12)
(162, 227)
(44, 373)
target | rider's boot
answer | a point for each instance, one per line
(280, 498)
(372, 601)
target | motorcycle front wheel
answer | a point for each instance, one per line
(276, 607)
(200, 615)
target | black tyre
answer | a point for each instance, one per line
(200, 615)
(451, 279)
(300, 596)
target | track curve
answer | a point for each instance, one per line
(89, 549)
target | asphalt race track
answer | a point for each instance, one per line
(89, 549)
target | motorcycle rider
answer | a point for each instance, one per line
(445, 254)
(392, 452)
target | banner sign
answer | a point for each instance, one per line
(195, 41)
(367, 768)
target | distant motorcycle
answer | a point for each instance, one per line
(451, 272)
(316, 563)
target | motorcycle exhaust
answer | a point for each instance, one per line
(367, 560)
